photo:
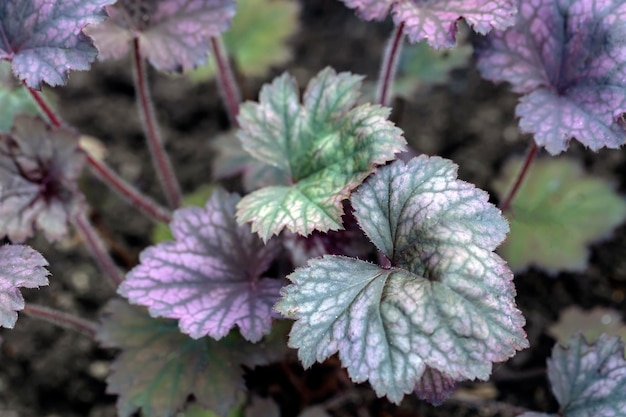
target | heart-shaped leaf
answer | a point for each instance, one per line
(446, 302)
(326, 146)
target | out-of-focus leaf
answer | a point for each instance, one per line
(589, 380)
(210, 277)
(257, 37)
(43, 40)
(159, 367)
(172, 34)
(20, 266)
(591, 324)
(39, 169)
(436, 21)
(14, 99)
(558, 211)
(568, 58)
(446, 302)
(326, 146)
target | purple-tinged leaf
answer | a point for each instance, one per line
(435, 386)
(326, 147)
(210, 277)
(159, 368)
(43, 38)
(39, 169)
(173, 34)
(569, 61)
(20, 266)
(589, 380)
(436, 21)
(446, 302)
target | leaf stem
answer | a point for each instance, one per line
(389, 66)
(521, 175)
(97, 248)
(161, 161)
(62, 319)
(226, 80)
(137, 199)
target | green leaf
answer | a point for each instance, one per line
(589, 380)
(558, 212)
(14, 98)
(159, 368)
(326, 147)
(445, 303)
(257, 38)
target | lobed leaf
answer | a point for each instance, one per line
(326, 147)
(446, 303)
(43, 38)
(210, 276)
(589, 379)
(172, 34)
(436, 21)
(20, 266)
(39, 169)
(568, 59)
(558, 211)
(159, 368)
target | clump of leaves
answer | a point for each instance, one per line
(39, 169)
(579, 92)
(443, 309)
(559, 210)
(325, 146)
(257, 37)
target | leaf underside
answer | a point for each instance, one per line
(210, 277)
(558, 212)
(325, 146)
(20, 266)
(159, 368)
(568, 59)
(172, 34)
(43, 39)
(445, 308)
(436, 21)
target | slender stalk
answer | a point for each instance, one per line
(521, 175)
(98, 249)
(107, 175)
(62, 319)
(161, 161)
(226, 80)
(389, 66)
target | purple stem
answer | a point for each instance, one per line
(161, 161)
(107, 175)
(521, 175)
(389, 66)
(59, 318)
(98, 249)
(226, 80)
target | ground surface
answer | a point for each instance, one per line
(45, 371)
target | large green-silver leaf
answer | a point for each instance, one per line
(325, 146)
(446, 302)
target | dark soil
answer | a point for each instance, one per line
(46, 371)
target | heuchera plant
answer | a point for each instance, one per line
(388, 263)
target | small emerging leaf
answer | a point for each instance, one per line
(568, 58)
(557, 213)
(436, 21)
(20, 266)
(589, 380)
(326, 146)
(43, 39)
(39, 169)
(159, 368)
(445, 304)
(173, 34)
(210, 277)
(257, 37)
